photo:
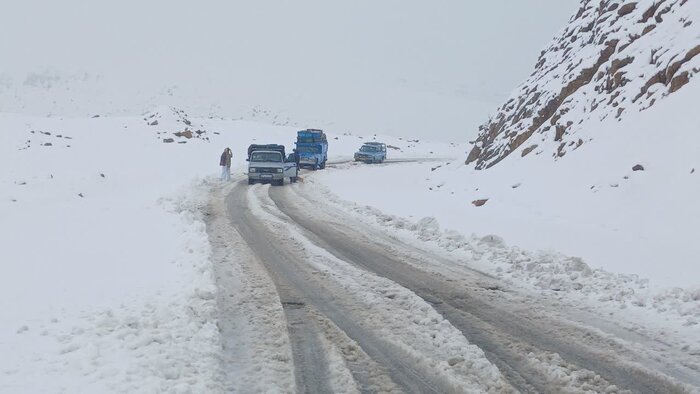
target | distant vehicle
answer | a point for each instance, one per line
(267, 164)
(312, 147)
(371, 152)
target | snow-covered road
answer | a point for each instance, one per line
(338, 305)
(150, 275)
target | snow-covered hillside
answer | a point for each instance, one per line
(614, 59)
(607, 154)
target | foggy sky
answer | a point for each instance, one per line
(295, 55)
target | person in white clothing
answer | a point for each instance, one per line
(225, 163)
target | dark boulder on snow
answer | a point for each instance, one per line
(479, 203)
(187, 134)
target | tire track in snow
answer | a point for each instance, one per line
(411, 358)
(533, 356)
(288, 272)
(256, 349)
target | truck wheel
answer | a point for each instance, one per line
(323, 165)
(250, 181)
(280, 182)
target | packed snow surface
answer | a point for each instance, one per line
(109, 281)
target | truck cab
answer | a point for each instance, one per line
(371, 152)
(267, 164)
(312, 148)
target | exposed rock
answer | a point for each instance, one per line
(585, 76)
(527, 150)
(168, 140)
(154, 123)
(473, 155)
(479, 203)
(187, 134)
(650, 12)
(638, 167)
(648, 29)
(559, 133)
(626, 9)
(679, 81)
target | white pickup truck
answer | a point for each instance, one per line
(268, 164)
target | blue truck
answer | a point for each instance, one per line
(371, 152)
(312, 148)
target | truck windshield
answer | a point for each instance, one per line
(311, 138)
(266, 156)
(368, 148)
(308, 149)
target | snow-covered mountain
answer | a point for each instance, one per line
(614, 59)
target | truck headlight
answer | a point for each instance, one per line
(279, 170)
(253, 169)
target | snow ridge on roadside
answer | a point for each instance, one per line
(546, 270)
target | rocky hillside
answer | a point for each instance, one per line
(615, 58)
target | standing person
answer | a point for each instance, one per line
(225, 163)
(296, 160)
(296, 157)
